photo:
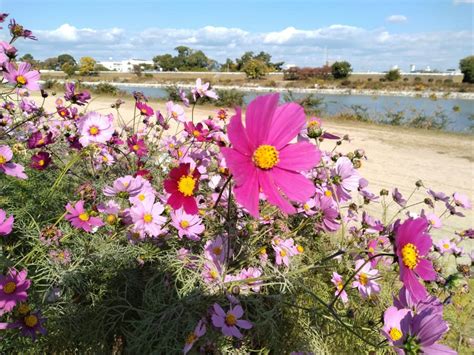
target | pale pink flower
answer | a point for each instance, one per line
(6, 224)
(337, 281)
(146, 217)
(187, 225)
(81, 218)
(201, 90)
(230, 321)
(364, 279)
(95, 128)
(22, 77)
(7, 167)
(175, 111)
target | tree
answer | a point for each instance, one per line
(137, 69)
(66, 58)
(69, 69)
(28, 58)
(229, 65)
(393, 75)
(50, 64)
(86, 65)
(341, 70)
(165, 62)
(467, 68)
(255, 69)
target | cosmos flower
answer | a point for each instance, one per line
(198, 332)
(38, 140)
(95, 128)
(80, 98)
(6, 224)
(17, 30)
(326, 213)
(80, 218)
(445, 246)
(230, 321)
(337, 281)
(22, 76)
(412, 245)
(398, 197)
(364, 279)
(12, 169)
(345, 178)
(146, 217)
(187, 225)
(29, 324)
(462, 200)
(201, 90)
(125, 187)
(284, 249)
(13, 289)
(404, 300)
(175, 111)
(137, 146)
(196, 131)
(40, 160)
(144, 109)
(262, 158)
(182, 185)
(215, 250)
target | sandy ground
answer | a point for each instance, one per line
(396, 157)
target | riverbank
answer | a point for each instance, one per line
(325, 91)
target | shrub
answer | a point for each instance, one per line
(105, 89)
(255, 69)
(417, 79)
(230, 98)
(341, 70)
(393, 75)
(467, 68)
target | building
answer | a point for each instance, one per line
(125, 66)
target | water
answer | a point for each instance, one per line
(377, 106)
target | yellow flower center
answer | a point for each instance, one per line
(230, 319)
(111, 219)
(94, 130)
(174, 114)
(180, 153)
(217, 250)
(3, 160)
(84, 216)
(446, 246)
(141, 197)
(191, 338)
(371, 250)
(363, 279)
(186, 185)
(196, 133)
(41, 162)
(339, 285)
(143, 111)
(147, 218)
(184, 224)
(265, 157)
(395, 334)
(282, 253)
(136, 147)
(313, 123)
(31, 320)
(21, 80)
(410, 255)
(23, 308)
(41, 141)
(328, 193)
(105, 159)
(306, 207)
(263, 250)
(9, 287)
(214, 274)
(300, 248)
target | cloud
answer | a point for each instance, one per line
(366, 49)
(463, 2)
(396, 18)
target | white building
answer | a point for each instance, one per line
(125, 66)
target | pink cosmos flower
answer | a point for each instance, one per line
(462, 200)
(95, 128)
(284, 250)
(40, 160)
(38, 140)
(6, 224)
(147, 217)
(395, 322)
(432, 219)
(211, 272)
(198, 332)
(201, 90)
(175, 111)
(13, 289)
(144, 109)
(12, 169)
(345, 178)
(249, 273)
(262, 157)
(80, 218)
(230, 321)
(196, 131)
(215, 250)
(398, 197)
(62, 257)
(137, 146)
(22, 77)
(125, 187)
(337, 281)
(404, 300)
(445, 246)
(327, 214)
(364, 279)
(412, 244)
(187, 225)
(76, 98)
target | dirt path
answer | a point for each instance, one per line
(396, 156)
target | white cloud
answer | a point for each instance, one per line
(366, 49)
(396, 18)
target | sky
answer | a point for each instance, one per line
(370, 34)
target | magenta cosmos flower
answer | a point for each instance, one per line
(95, 128)
(13, 289)
(6, 224)
(230, 321)
(412, 244)
(144, 109)
(22, 77)
(261, 157)
(40, 161)
(12, 169)
(80, 218)
(182, 185)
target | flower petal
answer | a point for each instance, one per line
(287, 122)
(247, 193)
(265, 180)
(425, 270)
(259, 116)
(300, 156)
(294, 185)
(238, 135)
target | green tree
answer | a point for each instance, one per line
(229, 65)
(165, 62)
(255, 69)
(86, 65)
(393, 75)
(66, 58)
(467, 68)
(341, 70)
(69, 69)
(28, 58)
(50, 64)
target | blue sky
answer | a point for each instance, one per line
(371, 34)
